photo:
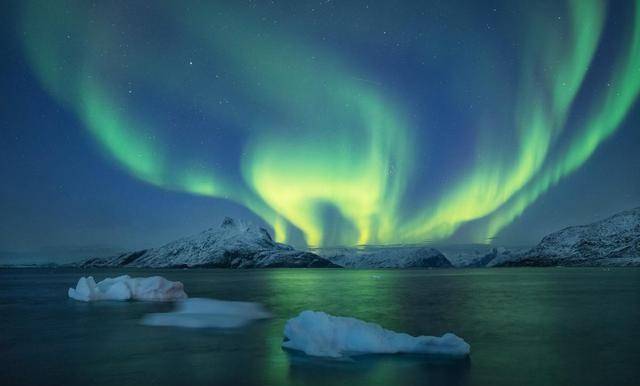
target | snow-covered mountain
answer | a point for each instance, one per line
(235, 244)
(614, 241)
(387, 257)
(466, 255)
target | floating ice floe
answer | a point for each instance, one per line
(124, 287)
(212, 313)
(320, 334)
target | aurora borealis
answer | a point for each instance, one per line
(344, 123)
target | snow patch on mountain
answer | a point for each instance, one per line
(614, 241)
(386, 257)
(235, 244)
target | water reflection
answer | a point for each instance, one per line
(378, 370)
(385, 297)
(347, 293)
(525, 327)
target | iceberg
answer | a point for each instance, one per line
(155, 288)
(324, 335)
(208, 313)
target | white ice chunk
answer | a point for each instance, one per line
(320, 334)
(201, 313)
(124, 287)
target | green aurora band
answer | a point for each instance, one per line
(323, 154)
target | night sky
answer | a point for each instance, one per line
(125, 124)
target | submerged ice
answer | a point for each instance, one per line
(155, 288)
(321, 334)
(212, 313)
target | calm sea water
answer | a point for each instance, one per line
(526, 327)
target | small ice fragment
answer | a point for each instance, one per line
(320, 334)
(124, 287)
(208, 313)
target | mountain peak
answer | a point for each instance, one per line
(614, 240)
(231, 226)
(228, 222)
(235, 244)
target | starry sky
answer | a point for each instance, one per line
(126, 124)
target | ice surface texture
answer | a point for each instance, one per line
(212, 313)
(320, 334)
(125, 287)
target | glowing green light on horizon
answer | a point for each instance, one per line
(490, 184)
(325, 153)
(603, 122)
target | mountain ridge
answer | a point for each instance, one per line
(234, 244)
(612, 241)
